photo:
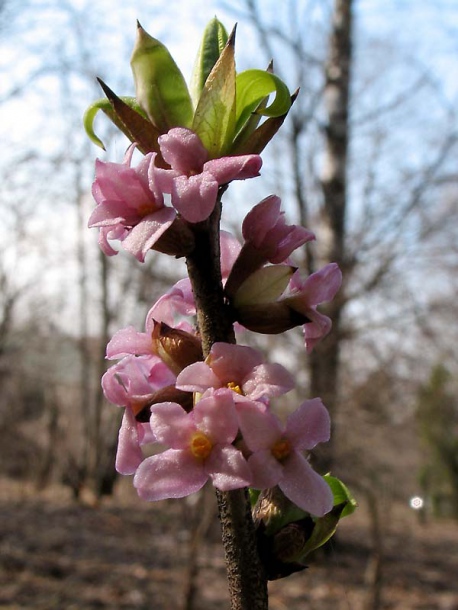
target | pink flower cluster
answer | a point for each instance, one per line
(211, 418)
(130, 200)
(230, 435)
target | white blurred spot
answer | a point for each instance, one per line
(416, 502)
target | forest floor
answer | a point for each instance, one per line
(56, 554)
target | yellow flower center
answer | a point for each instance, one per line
(281, 449)
(232, 385)
(201, 445)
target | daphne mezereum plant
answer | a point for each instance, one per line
(185, 384)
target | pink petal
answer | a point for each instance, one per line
(268, 380)
(303, 486)
(226, 169)
(197, 377)
(129, 341)
(144, 235)
(178, 300)
(216, 417)
(129, 454)
(104, 245)
(230, 248)
(309, 425)
(195, 197)
(171, 425)
(107, 214)
(287, 240)
(322, 285)
(265, 470)
(233, 363)
(183, 150)
(260, 428)
(227, 468)
(172, 474)
(319, 326)
(113, 390)
(133, 378)
(261, 219)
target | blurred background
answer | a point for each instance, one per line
(367, 159)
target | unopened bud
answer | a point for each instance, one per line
(177, 348)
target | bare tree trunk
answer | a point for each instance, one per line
(374, 571)
(104, 471)
(324, 361)
(84, 351)
(204, 514)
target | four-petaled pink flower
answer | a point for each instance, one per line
(277, 453)
(194, 180)
(241, 369)
(200, 447)
(130, 205)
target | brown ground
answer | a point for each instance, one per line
(125, 554)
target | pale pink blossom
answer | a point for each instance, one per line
(265, 228)
(265, 303)
(173, 305)
(268, 239)
(239, 368)
(131, 383)
(130, 205)
(277, 453)
(303, 296)
(193, 180)
(200, 447)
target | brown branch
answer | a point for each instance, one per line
(246, 577)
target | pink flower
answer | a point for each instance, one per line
(266, 230)
(267, 239)
(176, 302)
(200, 447)
(240, 368)
(277, 453)
(264, 303)
(130, 205)
(131, 383)
(133, 380)
(304, 295)
(194, 180)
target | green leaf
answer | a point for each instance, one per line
(214, 118)
(323, 529)
(160, 86)
(213, 42)
(252, 88)
(89, 118)
(106, 106)
(341, 494)
(264, 285)
(248, 142)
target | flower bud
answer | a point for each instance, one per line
(177, 348)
